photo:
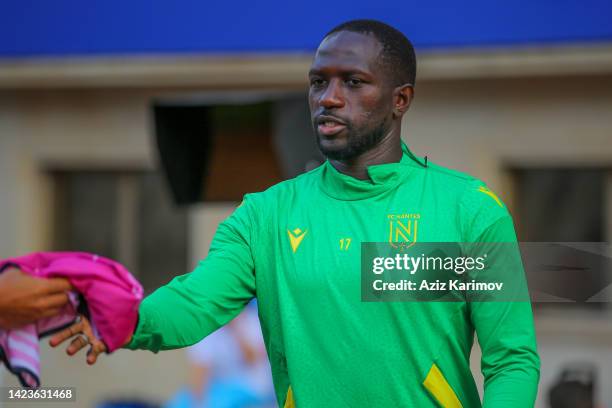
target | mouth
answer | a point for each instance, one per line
(329, 125)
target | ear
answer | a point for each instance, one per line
(402, 97)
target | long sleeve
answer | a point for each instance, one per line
(194, 305)
(504, 326)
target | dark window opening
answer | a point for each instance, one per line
(563, 205)
(127, 216)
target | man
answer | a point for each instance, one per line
(296, 247)
(25, 299)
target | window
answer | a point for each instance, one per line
(563, 205)
(124, 215)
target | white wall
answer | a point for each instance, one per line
(480, 126)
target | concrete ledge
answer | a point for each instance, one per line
(288, 71)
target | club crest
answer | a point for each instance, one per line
(403, 230)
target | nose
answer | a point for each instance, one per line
(332, 96)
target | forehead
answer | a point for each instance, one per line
(347, 50)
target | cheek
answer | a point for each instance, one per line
(370, 114)
(369, 105)
(312, 104)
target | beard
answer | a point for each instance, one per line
(358, 142)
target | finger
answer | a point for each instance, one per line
(97, 346)
(96, 349)
(57, 285)
(56, 300)
(51, 312)
(65, 334)
(77, 344)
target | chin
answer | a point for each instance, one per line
(335, 149)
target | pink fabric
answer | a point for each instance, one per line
(111, 294)
(19, 348)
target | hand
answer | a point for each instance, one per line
(25, 299)
(84, 336)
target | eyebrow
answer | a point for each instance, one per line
(314, 71)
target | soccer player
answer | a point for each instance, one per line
(296, 247)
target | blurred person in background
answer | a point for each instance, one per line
(574, 389)
(25, 299)
(229, 368)
(290, 246)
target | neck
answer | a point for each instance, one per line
(389, 150)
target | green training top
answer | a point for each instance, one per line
(296, 247)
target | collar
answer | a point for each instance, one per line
(383, 177)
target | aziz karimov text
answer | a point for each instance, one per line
(453, 284)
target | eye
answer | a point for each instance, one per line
(354, 82)
(316, 82)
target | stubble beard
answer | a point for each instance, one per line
(358, 143)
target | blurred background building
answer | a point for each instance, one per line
(103, 103)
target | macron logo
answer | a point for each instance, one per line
(295, 238)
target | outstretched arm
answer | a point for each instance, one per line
(194, 305)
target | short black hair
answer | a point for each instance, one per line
(397, 54)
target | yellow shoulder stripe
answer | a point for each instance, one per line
(289, 403)
(491, 194)
(439, 388)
